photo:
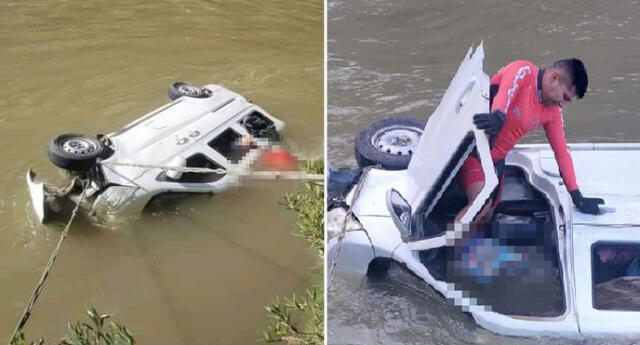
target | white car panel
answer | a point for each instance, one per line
(446, 129)
(594, 322)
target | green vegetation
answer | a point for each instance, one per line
(300, 320)
(100, 330)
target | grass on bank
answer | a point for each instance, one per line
(300, 319)
(100, 330)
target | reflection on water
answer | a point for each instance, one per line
(195, 270)
(389, 58)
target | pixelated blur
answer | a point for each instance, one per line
(510, 266)
(278, 159)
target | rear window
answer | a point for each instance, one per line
(616, 275)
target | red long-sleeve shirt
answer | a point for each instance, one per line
(518, 98)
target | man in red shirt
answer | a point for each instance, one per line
(523, 98)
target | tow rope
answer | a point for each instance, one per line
(38, 290)
(286, 175)
(343, 231)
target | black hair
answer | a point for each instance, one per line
(576, 72)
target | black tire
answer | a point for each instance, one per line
(389, 157)
(180, 89)
(77, 152)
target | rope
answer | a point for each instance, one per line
(343, 230)
(289, 175)
(36, 293)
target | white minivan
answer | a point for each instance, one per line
(207, 127)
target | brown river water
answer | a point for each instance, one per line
(397, 58)
(195, 270)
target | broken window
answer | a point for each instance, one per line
(260, 126)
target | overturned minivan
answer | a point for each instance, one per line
(187, 146)
(539, 268)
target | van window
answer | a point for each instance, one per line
(229, 144)
(260, 126)
(616, 275)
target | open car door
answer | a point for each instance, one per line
(448, 138)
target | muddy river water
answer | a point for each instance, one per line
(397, 58)
(196, 270)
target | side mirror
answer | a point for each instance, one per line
(400, 211)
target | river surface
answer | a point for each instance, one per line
(195, 270)
(388, 58)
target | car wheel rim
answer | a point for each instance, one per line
(397, 140)
(79, 146)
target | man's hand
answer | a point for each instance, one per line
(585, 205)
(491, 123)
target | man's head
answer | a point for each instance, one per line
(563, 82)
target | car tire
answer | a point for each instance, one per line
(77, 152)
(180, 89)
(389, 143)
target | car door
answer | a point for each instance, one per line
(449, 137)
(447, 140)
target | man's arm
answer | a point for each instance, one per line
(555, 133)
